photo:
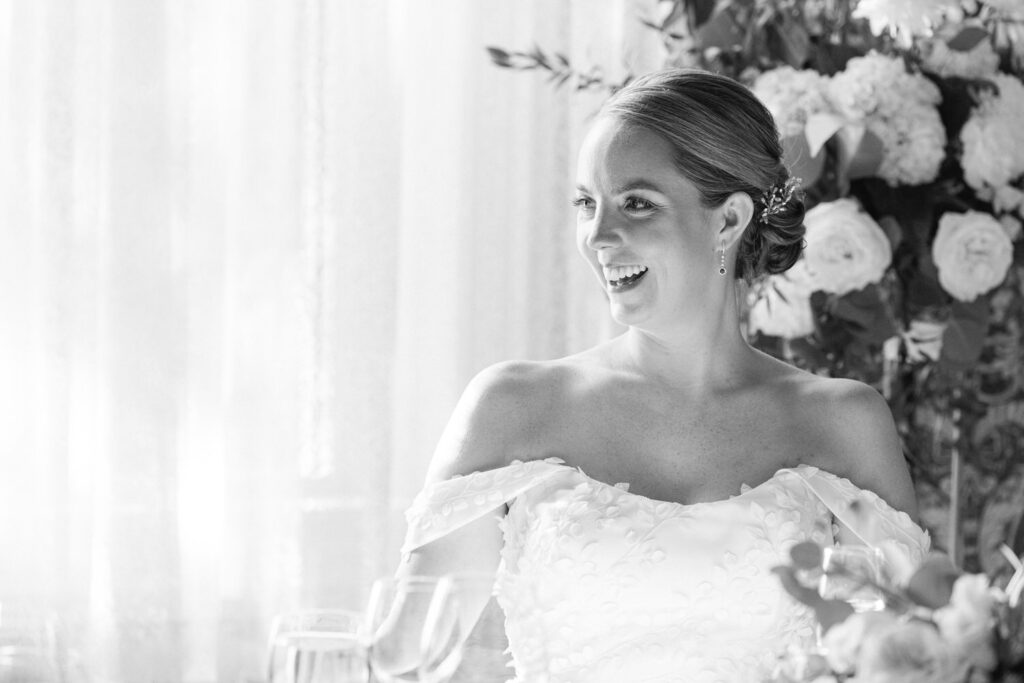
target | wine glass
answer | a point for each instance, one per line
(412, 626)
(852, 573)
(318, 646)
(31, 645)
(454, 611)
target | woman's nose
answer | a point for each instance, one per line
(603, 231)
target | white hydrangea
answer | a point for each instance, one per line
(877, 84)
(792, 96)
(906, 19)
(914, 145)
(993, 137)
(900, 108)
(980, 61)
(781, 306)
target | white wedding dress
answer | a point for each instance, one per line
(600, 585)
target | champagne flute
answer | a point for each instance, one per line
(852, 574)
(318, 646)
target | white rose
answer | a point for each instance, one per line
(907, 652)
(1007, 198)
(992, 138)
(906, 18)
(846, 249)
(1012, 226)
(843, 641)
(967, 621)
(782, 307)
(978, 62)
(972, 253)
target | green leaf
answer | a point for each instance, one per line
(793, 42)
(867, 317)
(720, 31)
(864, 159)
(891, 227)
(542, 59)
(932, 584)
(831, 58)
(828, 612)
(675, 13)
(499, 56)
(700, 11)
(806, 555)
(967, 39)
(820, 128)
(924, 290)
(801, 162)
(964, 337)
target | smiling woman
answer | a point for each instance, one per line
(609, 491)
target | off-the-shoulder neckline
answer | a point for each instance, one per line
(745, 491)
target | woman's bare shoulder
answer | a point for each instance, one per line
(502, 414)
(854, 435)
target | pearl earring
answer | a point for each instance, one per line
(721, 266)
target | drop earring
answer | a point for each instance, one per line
(721, 266)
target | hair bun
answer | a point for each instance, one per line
(775, 238)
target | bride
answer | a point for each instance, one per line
(631, 499)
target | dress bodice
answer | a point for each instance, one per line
(600, 584)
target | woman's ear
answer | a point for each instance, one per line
(736, 212)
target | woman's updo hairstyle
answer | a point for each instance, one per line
(724, 141)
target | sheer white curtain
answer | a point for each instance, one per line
(251, 251)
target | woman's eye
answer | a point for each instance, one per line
(638, 204)
(583, 203)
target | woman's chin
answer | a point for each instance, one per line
(630, 304)
(628, 313)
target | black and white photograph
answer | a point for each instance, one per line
(512, 341)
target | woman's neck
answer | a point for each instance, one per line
(697, 357)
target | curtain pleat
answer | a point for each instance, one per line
(251, 251)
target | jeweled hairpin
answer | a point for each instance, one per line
(778, 196)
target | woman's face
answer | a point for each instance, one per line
(642, 228)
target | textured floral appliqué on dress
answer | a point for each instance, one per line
(599, 584)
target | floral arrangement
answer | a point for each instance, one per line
(903, 118)
(941, 626)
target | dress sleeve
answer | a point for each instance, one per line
(871, 521)
(444, 506)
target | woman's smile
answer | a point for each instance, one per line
(624, 278)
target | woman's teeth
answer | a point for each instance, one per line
(623, 275)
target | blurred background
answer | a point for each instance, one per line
(252, 251)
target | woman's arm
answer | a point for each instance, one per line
(489, 427)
